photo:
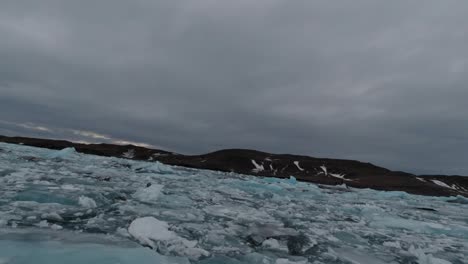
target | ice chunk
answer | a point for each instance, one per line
(70, 187)
(271, 243)
(43, 224)
(458, 199)
(62, 154)
(395, 244)
(56, 227)
(292, 180)
(154, 167)
(355, 257)
(424, 258)
(287, 261)
(147, 230)
(87, 202)
(420, 226)
(156, 234)
(52, 217)
(149, 194)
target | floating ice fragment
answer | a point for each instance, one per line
(355, 257)
(287, 261)
(155, 167)
(149, 194)
(395, 244)
(70, 187)
(271, 243)
(87, 202)
(458, 199)
(420, 226)
(56, 227)
(424, 258)
(52, 217)
(62, 154)
(156, 234)
(43, 224)
(123, 232)
(292, 180)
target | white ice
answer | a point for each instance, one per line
(147, 230)
(148, 194)
(87, 202)
(62, 154)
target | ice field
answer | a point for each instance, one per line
(65, 207)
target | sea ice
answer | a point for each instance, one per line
(149, 194)
(87, 202)
(62, 154)
(147, 230)
(210, 217)
(156, 234)
(53, 252)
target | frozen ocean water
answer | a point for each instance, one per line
(65, 207)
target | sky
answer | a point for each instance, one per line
(378, 81)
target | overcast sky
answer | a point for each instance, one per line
(378, 81)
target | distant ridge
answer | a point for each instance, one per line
(304, 168)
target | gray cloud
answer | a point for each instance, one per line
(384, 81)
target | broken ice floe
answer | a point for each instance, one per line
(206, 217)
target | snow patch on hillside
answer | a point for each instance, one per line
(258, 167)
(442, 184)
(298, 166)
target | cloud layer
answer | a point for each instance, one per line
(384, 81)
